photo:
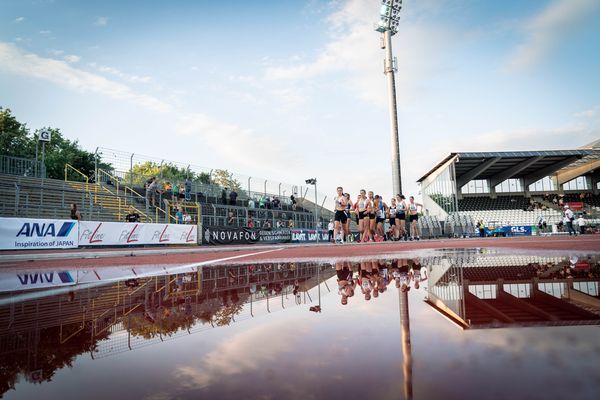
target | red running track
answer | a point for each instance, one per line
(258, 253)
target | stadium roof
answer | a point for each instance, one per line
(530, 165)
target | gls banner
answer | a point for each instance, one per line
(28, 233)
(126, 233)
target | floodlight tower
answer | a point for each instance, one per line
(388, 26)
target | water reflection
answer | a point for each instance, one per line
(106, 312)
(478, 291)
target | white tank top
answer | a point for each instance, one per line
(402, 207)
(392, 212)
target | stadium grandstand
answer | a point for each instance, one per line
(512, 188)
(118, 183)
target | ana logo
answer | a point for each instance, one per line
(43, 230)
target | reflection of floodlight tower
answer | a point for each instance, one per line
(388, 25)
(406, 348)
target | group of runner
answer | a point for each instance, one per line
(370, 213)
(373, 277)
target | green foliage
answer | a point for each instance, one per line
(140, 173)
(225, 179)
(17, 141)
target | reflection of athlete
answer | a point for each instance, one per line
(346, 283)
(413, 217)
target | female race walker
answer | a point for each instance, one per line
(401, 216)
(361, 206)
(349, 210)
(392, 217)
(413, 215)
(371, 212)
(340, 215)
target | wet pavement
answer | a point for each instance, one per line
(451, 323)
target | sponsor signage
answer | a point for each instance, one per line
(126, 233)
(27, 233)
(241, 235)
(309, 235)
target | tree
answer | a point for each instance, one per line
(17, 141)
(225, 179)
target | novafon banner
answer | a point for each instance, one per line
(126, 233)
(27, 233)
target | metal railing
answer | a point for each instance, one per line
(69, 167)
(21, 166)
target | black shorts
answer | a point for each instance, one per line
(413, 217)
(393, 221)
(380, 220)
(361, 215)
(401, 216)
(372, 215)
(341, 216)
(343, 274)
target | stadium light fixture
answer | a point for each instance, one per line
(313, 181)
(389, 19)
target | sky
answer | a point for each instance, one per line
(290, 90)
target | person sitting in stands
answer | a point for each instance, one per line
(250, 223)
(179, 216)
(276, 203)
(133, 216)
(267, 224)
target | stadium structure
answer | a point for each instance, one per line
(512, 188)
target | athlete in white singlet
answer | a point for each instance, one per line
(413, 216)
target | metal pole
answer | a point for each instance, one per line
(131, 170)
(395, 147)
(280, 189)
(406, 345)
(265, 188)
(249, 195)
(316, 212)
(37, 145)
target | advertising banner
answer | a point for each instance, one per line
(35, 279)
(309, 235)
(93, 233)
(28, 233)
(223, 235)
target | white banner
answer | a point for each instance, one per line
(127, 233)
(28, 233)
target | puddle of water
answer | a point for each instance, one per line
(453, 323)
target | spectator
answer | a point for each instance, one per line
(250, 223)
(276, 203)
(187, 218)
(188, 189)
(279, 224)
(568, 220)
(231, 218)
(179, 216)
(224, 196)
(151, 188)
(262, 202)
(132, 216)
(330, 228)
(293, 201)
(581, 224)
(74, 213)
(251, 203)
(291, 223)
(175, 193)
(181, 192)
(481, 227)
(542, 225)
(267, 224)
(233, 197)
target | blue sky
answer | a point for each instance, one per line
(294, 89)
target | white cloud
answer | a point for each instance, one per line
(19, 19)
(15, 60)
(121, 74)
(549, 28)
(589, 113)
(71, 58)
(238, 145)
(56, 52)
(45, 32)
(101, 21)
(355, 55)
